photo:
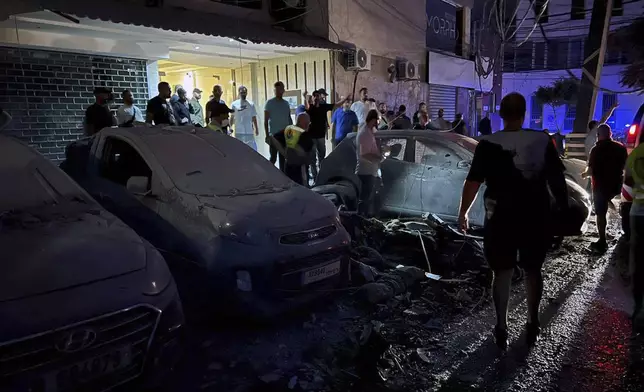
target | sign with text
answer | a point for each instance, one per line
(443, 30)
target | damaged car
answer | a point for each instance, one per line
(424, 173)
(85, 303)
(238, 235)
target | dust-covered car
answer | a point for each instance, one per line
(237, 233)
(85, 303)
(424, 173)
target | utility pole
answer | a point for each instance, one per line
(594, 53)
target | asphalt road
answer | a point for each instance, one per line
(587, 342)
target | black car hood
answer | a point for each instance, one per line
(59, 247)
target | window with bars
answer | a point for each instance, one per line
(608, 100)
(576, 53)
(569, 120)
(539, 55)
(536, 113)
(577, 10)
(557, 54)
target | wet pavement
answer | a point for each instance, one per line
(438, 338)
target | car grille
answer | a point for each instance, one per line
(303, 237)
(24, 363)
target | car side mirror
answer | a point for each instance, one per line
(139, 185)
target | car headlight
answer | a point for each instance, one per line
(247, 236)
(158, 274)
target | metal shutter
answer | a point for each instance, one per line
(442, 97)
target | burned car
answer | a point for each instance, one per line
(85, 303)
(424, 173)
(238, 234)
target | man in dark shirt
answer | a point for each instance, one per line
(180, 107)
(401, 120)
(159, 111)
(318, 129)
(485, 125)
(98, 115)
(606, 168)
(298, 153)
(519, 167)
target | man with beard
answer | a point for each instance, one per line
(362, 106)
(421, 117)
(159, 111)
(244, 119)
(196, 110)
(98, 115)
(128, 114)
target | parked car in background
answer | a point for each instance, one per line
(85, 303)
(424, 173)
(237, 233)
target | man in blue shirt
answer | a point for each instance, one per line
(343, 122)
(277, 116)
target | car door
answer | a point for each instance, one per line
(394, 171)
(442, 169)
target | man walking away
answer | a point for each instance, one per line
(159, 111)
(277, 116)
(343, 122)
(295, 144)
(635, 179)
(128, 114)
(219, 118)
(180, 107)
(401, 121)
(440, 122)
(605, 168)
(361, 107)
(591, 137)
(318, 129)
(458, 125)
(519, 167)
(98, 115)
(368, 157)
(244, 119)
(485, 125)
(196, 110)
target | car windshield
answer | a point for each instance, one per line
(37, 185)
(212, 165)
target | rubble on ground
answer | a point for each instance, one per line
(373, 335)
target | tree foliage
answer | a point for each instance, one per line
(560, 92)
(630, 40)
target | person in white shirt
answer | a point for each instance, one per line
(244, 119)
(362, 106)
(128, 114)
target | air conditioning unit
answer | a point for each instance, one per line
(359, 60)
(408, 70)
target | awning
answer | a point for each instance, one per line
(175, 19)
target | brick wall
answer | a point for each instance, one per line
(47, 93)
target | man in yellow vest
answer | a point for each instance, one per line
(219, 118)
(295, 143)
(635, 178)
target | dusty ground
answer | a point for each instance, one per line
(437, 338)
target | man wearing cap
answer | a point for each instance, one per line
(180, 107)
(196, 110)
(244, 119)
(318, 129)
(605, 167)
(98, 115)
(219, 118)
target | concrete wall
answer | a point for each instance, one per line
(388, 29)
(528, 82)
(47, 93)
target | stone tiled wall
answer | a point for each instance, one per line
(47, 93)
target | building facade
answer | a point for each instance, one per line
(558, 52)
(53, 52)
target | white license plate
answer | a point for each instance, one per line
(321, 273)
(90, 369)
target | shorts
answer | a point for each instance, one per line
(505, 250)
(601, 200)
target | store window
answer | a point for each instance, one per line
(254, 4)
